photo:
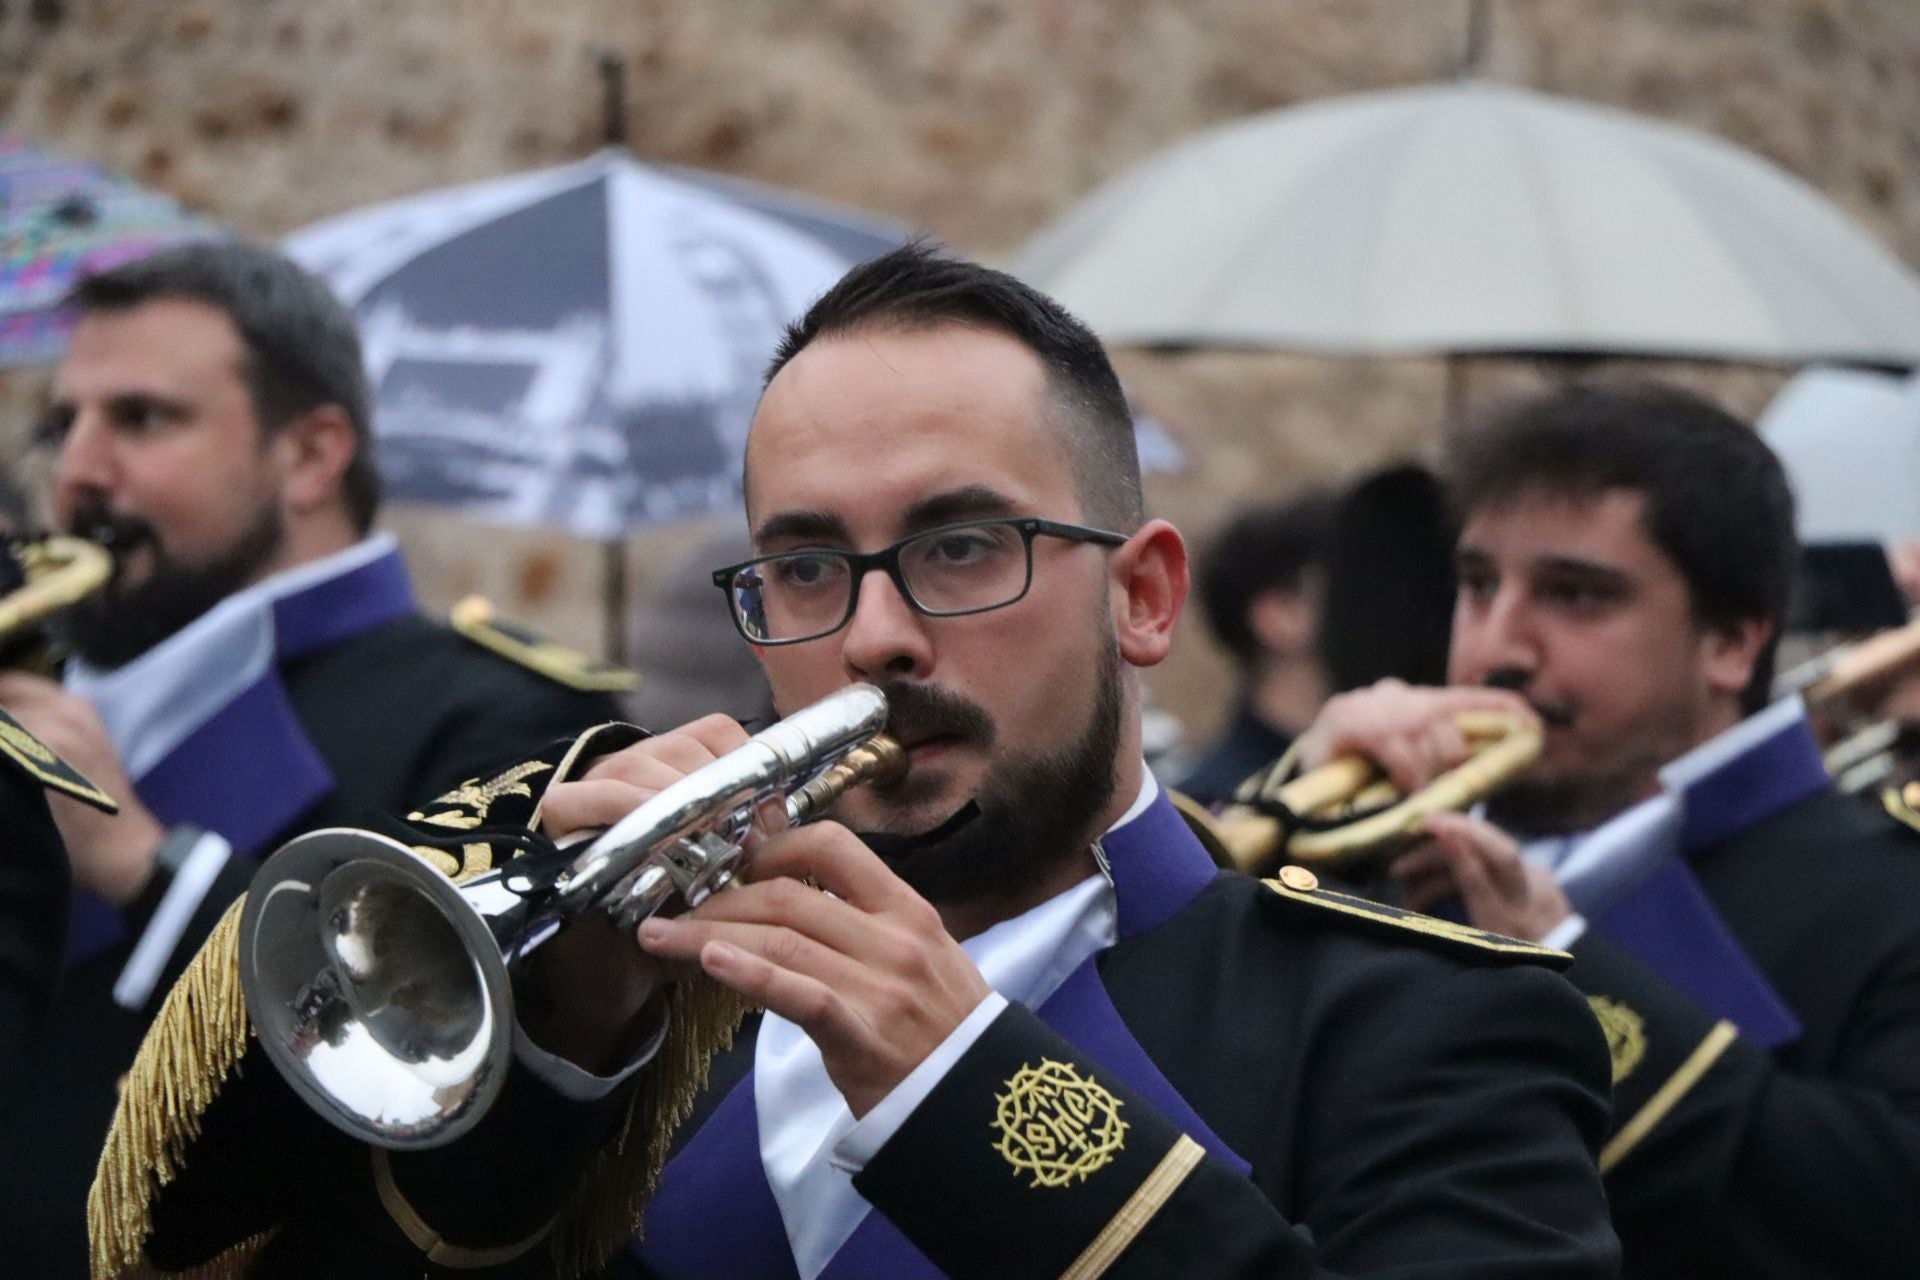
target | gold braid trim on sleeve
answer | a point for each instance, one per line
(605, 1209)
(183, 1062)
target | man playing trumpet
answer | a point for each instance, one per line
(1749, 938)
(1023, 1027)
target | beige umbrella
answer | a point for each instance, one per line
(1468, 217)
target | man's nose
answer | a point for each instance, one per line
(88, 462)
(1497, 641)
(886, 638)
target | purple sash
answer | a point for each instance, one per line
(1667, 922)
(250, 771)
(715, 1215)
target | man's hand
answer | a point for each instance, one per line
(1413, 734)
(581, 992)
(865, 968)
(1476, 861)
(112, 854)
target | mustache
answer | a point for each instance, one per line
(117, 531)
(917, 712)
(1555, 715)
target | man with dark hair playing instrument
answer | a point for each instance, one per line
(1749, 938)
(257, 666)
(1022, 1027)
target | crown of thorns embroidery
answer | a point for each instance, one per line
(1056, 1124)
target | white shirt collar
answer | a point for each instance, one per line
(160, 698)
(802, 1116)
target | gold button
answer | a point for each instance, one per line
(1299, 879)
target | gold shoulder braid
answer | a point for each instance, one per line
(202, 1034)
(474, 618)
(184, 1061)
(1297, 886)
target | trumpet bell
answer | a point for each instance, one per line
(375, 986)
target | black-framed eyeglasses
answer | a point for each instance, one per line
(947, 572)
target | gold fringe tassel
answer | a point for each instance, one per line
(604, 1211)
(193, 1045)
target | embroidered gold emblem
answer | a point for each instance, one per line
(1626, 1033)
(1056, 1124)
(443, 862)
(26, 744)
(479, 797)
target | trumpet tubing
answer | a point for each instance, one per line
(57, 572)
(1501, 747)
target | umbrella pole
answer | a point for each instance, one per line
(1456, 396)
(613, 584)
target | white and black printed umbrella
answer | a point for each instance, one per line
(579, 347)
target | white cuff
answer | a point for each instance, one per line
(872, 1131)
(576, 1083)
(196, 875)
(1563, 935)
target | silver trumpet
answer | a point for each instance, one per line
(383, 991)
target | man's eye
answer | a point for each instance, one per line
(960, 548)
(802, 571)
(140, 417)
(52, 428)
(1575, 595)
(1478, 586)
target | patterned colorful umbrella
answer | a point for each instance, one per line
(60, 219)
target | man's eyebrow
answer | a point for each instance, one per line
(1576, 567)
(801, 526)
(973, 502)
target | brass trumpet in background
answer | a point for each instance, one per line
(1345, 813)
(383, 991)
(1858, 755)
(38, 578)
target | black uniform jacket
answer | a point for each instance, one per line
(1415, 1100)
(34, 882)
(1411, 1105)
(399, 712)
(1732, 1161)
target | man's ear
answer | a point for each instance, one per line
(316, 448)
(1731, 651)
(1148, 588)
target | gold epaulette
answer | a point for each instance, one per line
(474, 618)
(1299, 886)
(38, 761)
(1903, 804)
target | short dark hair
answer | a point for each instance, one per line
(1268, 547)
(302, 349)
(1718, 504)
(918, 287)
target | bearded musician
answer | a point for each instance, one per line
(1749, 938)
(1024, 1026)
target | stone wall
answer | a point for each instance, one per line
(974, 119)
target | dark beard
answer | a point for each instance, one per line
(1531, 808)
(1035, 810)
(117, 625)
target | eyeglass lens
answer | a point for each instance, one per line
(947, 571)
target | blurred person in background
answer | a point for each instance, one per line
(1259, 587)
(1748, 937)
(256, 668)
